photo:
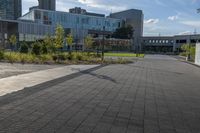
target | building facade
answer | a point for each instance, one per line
(134, 18)
(10, 9)
(38, 23)
(79, 10)
(160, 44)
(47, 4)
(42, 20)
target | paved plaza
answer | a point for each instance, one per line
(8, 69)
(157, 94)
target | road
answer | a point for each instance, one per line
(157, 94)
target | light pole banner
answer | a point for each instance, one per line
(197, 56)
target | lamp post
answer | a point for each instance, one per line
(103, 44)
(189, 54)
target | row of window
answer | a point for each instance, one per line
(183, 41)
(50, 18)
(159, 41)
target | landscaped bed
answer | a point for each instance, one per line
(124, 55)
(58, 58)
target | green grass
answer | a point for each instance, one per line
(124, 55)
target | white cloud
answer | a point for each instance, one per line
(185, 33)
(191, 23)
(104, 5)
(151, 21)
(173, 18)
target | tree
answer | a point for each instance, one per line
(193, 52)
(13, 40)
(186, 48)
(59, 37)
(44, 49)
(69, 40)
(123, 32)
(189, 51)
(88, 41)
(49, 44)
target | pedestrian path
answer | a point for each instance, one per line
(19, 82)
(153, 95)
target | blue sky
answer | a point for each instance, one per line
(164, 17)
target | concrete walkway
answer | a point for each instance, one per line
(157, 94)
(19, 82)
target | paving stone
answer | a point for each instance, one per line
(153, 95)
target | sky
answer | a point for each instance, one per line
(161, 17)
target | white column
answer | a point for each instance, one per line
(197, 56)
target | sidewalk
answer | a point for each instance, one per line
(16, 83)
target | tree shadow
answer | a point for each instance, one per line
(101, 76)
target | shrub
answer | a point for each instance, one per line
(70, 56)
(55, 58)
(44, 49)
(62, 57)
(23, 48)
(79, 56)
(59, 57)
(183, 54)
(46, 58)
(12, 57)
(36, 49)
(1, 55)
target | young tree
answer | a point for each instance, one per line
(13, 40)
(49, 44)
(88, 41)
(189, 51)
(69, 40)
(186, 48)
(59, 37)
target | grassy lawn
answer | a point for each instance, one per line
(124, 55)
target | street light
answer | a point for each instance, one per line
(103, 43)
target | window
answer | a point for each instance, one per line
(37, 14)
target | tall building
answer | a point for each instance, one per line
(134, 18)
(79, 10)
(47, 4)
(10, 9)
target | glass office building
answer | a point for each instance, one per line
(38, 23)
(10, 9)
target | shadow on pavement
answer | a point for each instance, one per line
(101, 76)
(9, 98)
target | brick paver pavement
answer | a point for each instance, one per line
(153, 95)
